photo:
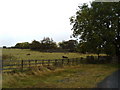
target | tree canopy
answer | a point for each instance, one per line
(70, 45)
(48, 43)
(23, 45)
(98, 27)
(44, 44)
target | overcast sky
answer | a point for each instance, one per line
(28, 20)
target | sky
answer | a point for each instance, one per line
(28, 20)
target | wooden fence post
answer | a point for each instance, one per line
(22, 65)
(42, 62)
(48, 62)
(29, 63)
(68, 61)
(80, 60)
(62, 61)
(73, 61)
(36, 62)
(55, 62)
(76, 61)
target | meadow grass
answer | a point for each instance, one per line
(21, 54)
(14, 56)
(80, 76)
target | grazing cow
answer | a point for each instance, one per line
(28, 54)
(64, 57)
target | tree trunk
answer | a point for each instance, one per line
(118, 57)
(98, 56)
(118, 51)
(118, 38)
(118, 54)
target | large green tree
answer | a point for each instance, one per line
(35, 45)
(23, 45)
(70, 45)
(98, 27)
(48, 43)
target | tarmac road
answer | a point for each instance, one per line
(112, 81)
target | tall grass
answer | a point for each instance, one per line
(81, 76)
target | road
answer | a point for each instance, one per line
(112, 81)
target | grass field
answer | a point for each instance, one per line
(77, 76)
(14, 56)
(81, 76)
(21, 54)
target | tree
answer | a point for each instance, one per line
(82, 48)
(63, 45)
(48, 43)
(35, 45)
(18, 45)
(70, 45)
(98, 26)
(4, 47)
(24, 45)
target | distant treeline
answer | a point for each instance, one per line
(47, 44)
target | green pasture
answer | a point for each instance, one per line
(21, 54)
(12, 57)
(69, 76)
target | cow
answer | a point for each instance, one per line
(64, 57)
(28, 54)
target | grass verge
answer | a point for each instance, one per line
(81, 76)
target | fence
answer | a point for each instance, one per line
(10, 65)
